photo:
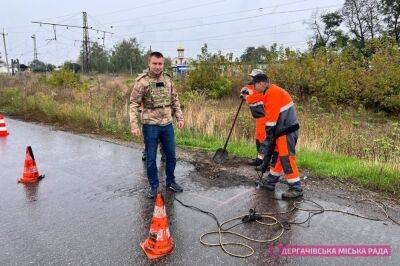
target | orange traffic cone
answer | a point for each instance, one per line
(159, 243)
(3, 128)
(31, 173)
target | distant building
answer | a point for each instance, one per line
(3, 68)
(180, 64)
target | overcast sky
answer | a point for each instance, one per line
(226, 25)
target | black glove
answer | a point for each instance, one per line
(266, 165)
(267, 148)
(244, 92)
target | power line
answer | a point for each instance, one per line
(230, 20)
(173, 11)
(63, 16)
(134, 8)
(215, 15)
(85, 42)
(30, 26)
(229, 34)
(69, 26)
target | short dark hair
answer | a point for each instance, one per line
(260, 78)
(156, 54)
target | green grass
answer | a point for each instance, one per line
(378, 177)
(375, 176)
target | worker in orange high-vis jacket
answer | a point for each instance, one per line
(282, 129)
(257, 111)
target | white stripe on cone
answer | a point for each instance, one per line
(159, 212)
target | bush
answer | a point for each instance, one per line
(206, 80)
(64, 78)
(10, 100)
(206, 76)
(220, 87)
(346, 77)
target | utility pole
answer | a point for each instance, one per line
(85, 41)
(18, 66)
(12, 66)
(35, 53)
(85, 45)
(5, 50)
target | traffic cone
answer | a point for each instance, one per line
(159, 243)
(3, 128)
(31, 173)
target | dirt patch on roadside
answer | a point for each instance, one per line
(236, 169)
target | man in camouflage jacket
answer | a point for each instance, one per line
(155, 90)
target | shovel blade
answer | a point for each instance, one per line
(220, 156)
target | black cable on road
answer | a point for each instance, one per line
(262, 218)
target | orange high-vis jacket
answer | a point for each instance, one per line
(280, 113)
(257, 110)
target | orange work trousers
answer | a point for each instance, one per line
(284, 158)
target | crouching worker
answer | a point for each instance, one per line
(257, 111)
(282, 129)
(160, 103)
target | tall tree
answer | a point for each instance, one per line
(372, 17)
(391, 12)
(362, 19)
(38, 66)
(261, 54)
(127, 57)
(99, 58)
(326, 30)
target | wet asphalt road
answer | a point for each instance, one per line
(90, 209)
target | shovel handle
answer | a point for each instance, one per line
(233, 124)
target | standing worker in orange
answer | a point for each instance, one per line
(257, 111)
(282, 129)
(161, 105)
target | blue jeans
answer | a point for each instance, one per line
(165, 135)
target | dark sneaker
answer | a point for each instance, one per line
(151, 193)
(175, 187)
(143, 156)
(292, 193)
(255, 162)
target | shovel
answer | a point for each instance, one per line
(221, 155)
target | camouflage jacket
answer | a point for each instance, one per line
(141, 97)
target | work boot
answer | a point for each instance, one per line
(151, 193)
(269, 182)
(283, 180)
(255, 162)
(295, 191)
(144, 155)
(175, 187)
